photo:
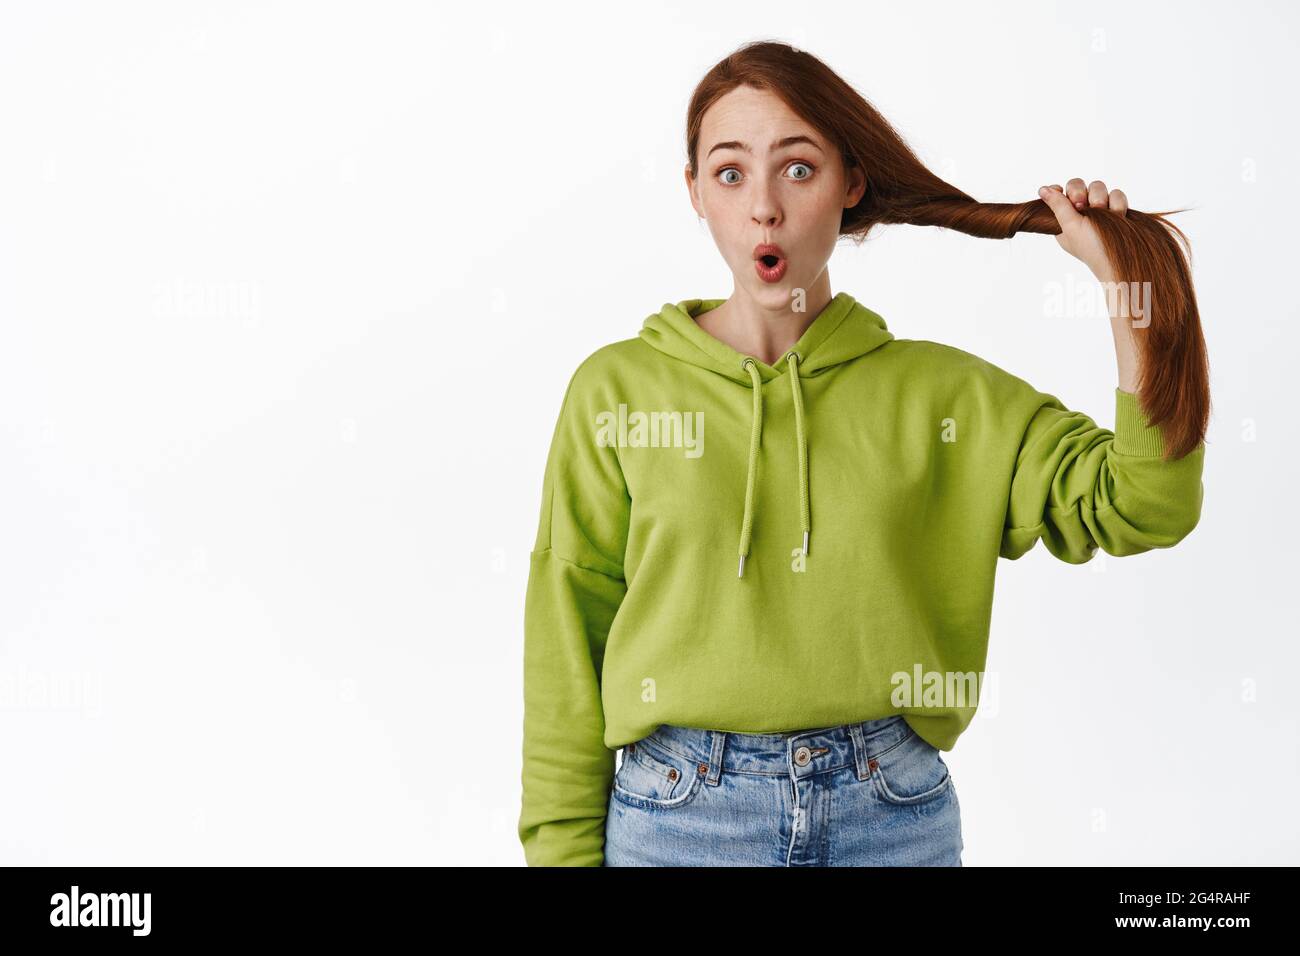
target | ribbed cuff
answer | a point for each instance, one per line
(1134, 434)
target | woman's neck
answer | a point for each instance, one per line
(752, 328)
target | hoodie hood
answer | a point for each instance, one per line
(841, 332)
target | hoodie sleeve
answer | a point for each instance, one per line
(575, 587)
(1081, 487)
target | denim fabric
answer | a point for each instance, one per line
(865, 794)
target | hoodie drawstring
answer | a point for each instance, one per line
(792, 362)
(755, 434)
(755, 431)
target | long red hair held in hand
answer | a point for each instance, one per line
(1173, 386)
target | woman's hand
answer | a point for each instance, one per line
(1078, 236)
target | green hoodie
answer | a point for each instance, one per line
(759, 548)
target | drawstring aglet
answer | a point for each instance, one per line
(741, 574)
(805, 544)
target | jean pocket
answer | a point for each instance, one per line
(653, 778)
(911, 772)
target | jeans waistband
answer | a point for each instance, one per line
(801, 753)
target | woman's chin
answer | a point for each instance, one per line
(773, 294)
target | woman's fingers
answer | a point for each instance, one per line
(1059, 203)
(1094, 194)
(1077, 192)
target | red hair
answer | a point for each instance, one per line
(1143, 247)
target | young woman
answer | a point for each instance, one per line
(769, 528)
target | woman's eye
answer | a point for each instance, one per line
(731, 175)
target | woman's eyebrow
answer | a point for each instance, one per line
(779, 144)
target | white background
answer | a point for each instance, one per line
(289, 297)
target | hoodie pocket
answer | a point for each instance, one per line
(910, 772)
(653, 778)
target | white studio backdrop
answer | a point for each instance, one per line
(289, 295)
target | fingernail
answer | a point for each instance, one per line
(1042, 190)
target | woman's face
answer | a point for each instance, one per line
(766, 176)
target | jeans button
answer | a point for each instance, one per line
(802, 756)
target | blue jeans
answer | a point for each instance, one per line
(864, 794)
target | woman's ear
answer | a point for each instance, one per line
(690, 189)
(857, 186)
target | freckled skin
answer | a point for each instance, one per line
(793, 196)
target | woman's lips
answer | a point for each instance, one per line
(770, 262)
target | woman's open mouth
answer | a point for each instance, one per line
(770, 262)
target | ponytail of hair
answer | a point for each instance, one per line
(1143, 248)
